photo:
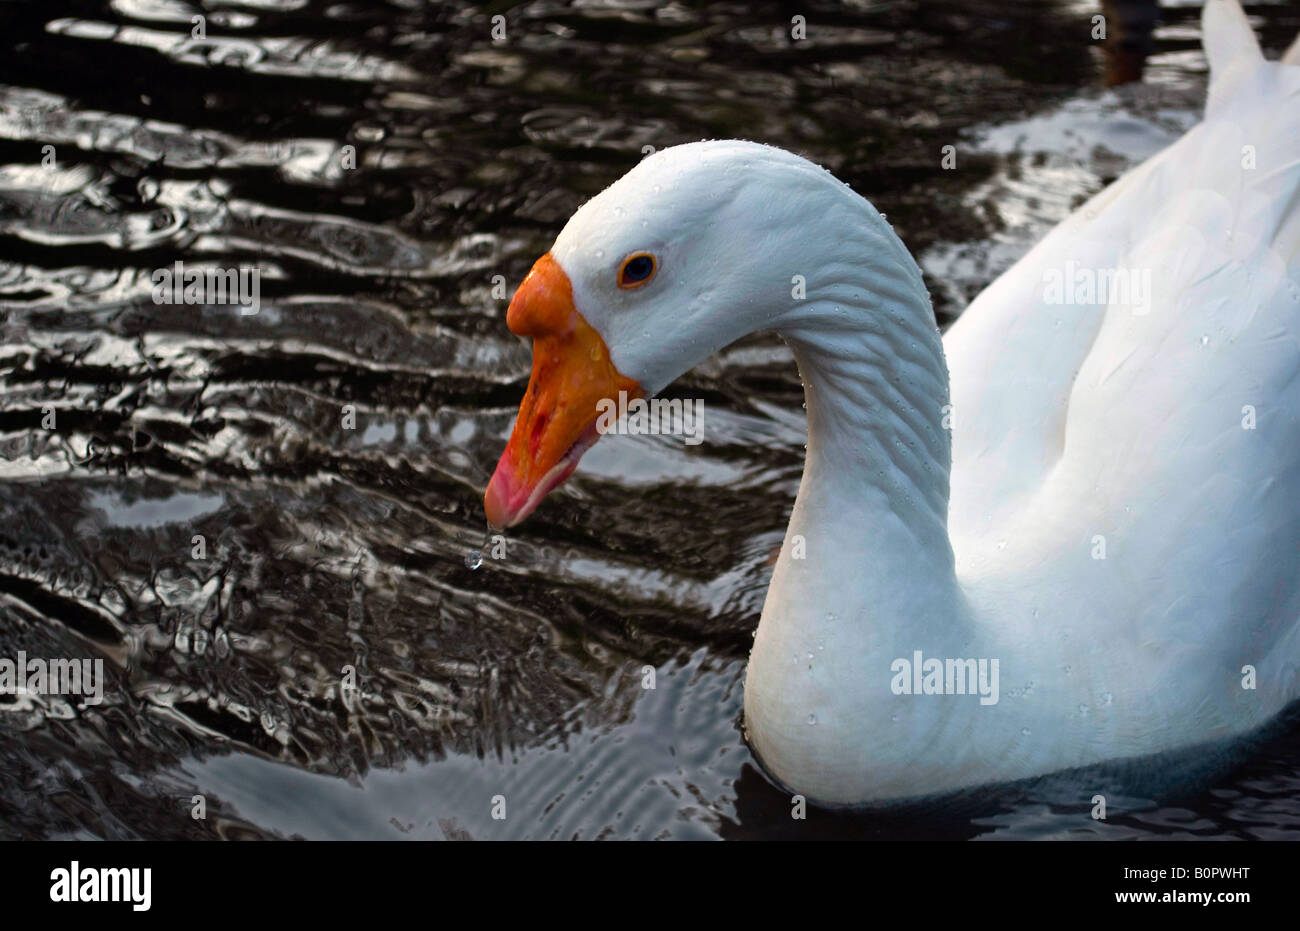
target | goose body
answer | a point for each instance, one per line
(1101, 495)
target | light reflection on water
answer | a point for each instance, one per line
(325, 547)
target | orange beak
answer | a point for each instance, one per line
(572, 373)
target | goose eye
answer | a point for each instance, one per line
(637, 270)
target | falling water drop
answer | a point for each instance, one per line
(474, 558)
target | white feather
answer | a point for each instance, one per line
(1162, 433)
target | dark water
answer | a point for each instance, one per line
(329, 547)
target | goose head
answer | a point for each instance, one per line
(692, 249)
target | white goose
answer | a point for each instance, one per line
(1159, 431)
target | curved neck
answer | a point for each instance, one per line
(866, 574)
(876, 390)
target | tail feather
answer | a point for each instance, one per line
(1231, 47)
(1229, 40)
(1292, 56)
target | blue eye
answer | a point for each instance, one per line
(637, 270)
